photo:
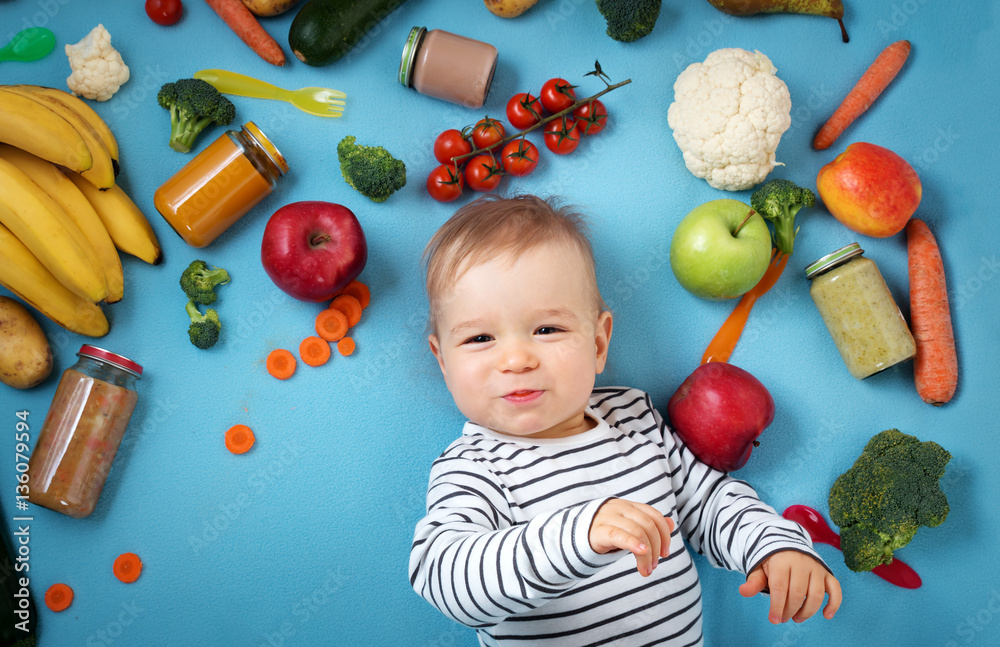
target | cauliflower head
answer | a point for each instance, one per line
(98, 68)
(728, 115)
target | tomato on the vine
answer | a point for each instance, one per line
(445, 183)
(561, 136)
(450, 144)
(482, 173)
(519, 157)
(487, 133)
(524, 110)
(591, 117)
(164, 12)
(557, 95)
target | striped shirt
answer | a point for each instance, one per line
(504, 547)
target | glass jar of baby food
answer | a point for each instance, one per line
(82, 431)
(859, 311)
(221, 184)
(447, 66)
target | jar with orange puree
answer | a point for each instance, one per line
(221, 184)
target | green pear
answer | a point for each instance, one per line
(829, 8)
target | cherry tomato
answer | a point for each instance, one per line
(524, 111)
(482, 173)
(591, 117)
(450, 144)
(487, 133)
(561, 136)
(519, 157)
(164, 12)
(557, 95)
(445, 183)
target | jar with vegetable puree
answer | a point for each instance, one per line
(221, 184)
(82, 430)
(859, 311)
(447, 66)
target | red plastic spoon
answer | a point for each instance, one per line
(895, 572)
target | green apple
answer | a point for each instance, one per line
(717, 252)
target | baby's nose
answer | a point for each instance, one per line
(517, 357)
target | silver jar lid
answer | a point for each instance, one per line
(410, 54)
(833, 259)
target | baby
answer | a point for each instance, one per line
(531, 512)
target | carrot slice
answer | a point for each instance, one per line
(349, 306)
(331, 324)
(59, 597)
(127, 567)
(314, 351)
(239, 439)
(359, 291)
(281, 363)
(346, 346)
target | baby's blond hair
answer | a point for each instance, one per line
(494, 226)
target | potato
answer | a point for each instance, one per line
(509, 8)
(269, 7)
(25, 355)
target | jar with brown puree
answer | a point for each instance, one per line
(859, 311)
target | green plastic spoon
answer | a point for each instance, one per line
(29, 44)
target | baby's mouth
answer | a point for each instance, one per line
(524, 395)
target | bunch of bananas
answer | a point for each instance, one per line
(63, 219)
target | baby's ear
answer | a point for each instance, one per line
(603, 339)
(435, 345)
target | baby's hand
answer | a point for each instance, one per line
(635, 527)
(797, 583)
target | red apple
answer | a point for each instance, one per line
(870, 189)
(719, 411)
(311, 250)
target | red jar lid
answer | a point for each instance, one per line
(112, 358)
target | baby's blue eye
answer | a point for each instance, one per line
(478, 339)
(548, 330)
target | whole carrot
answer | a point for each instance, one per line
(876, 78)
(935, 366)
(248, 28)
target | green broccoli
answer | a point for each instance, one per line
(204, 328)
(629, 20)
(194, 105)
(891, 490)
(198, 282)
(372, 170)
(779, 201)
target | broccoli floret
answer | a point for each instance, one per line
(194, 105)
(629, 20)
(888, 494)
(372, 170)
(779, 201)
(204, 328)
(198, 282)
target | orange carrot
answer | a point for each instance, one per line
(349, 306)
(248, 28)
(346, 346)
(724, 342)
(127, 567)
(935, 366)
(359, 291)
(239, 439)
(871, 84)
(331, 324)
(314, 351)
(59, 597)
(281, 363)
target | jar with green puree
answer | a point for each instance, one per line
(859, 311)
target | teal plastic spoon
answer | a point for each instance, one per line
(29, 44)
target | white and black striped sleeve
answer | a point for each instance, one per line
(475, 566)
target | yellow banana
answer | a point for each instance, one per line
(83, 109)
(102, 172)
(78, 208)
(127, 225)
(25, 276)
(50, 234)
(39, 130)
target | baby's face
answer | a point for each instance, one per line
(520, 344)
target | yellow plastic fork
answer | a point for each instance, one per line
(316, 101)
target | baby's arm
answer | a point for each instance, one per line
(798, 584)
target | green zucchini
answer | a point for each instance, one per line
(325, 30)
